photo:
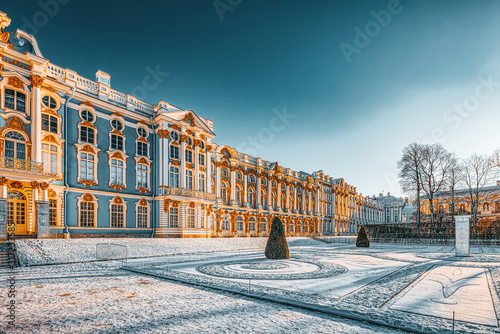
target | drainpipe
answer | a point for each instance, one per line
(65, 176)
(153, 183)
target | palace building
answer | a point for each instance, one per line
(80, 159)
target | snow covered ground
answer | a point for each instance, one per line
(100, 297)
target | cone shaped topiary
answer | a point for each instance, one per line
(277, 247)
(362, 240)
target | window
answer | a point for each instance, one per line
(189, 179)
(116, 124)
(142, 132)
(201, 186)
(239, 196)
(142, 149)
(291, 227)
(15, 100)
(251, 197)
(224, 172)
(52, 212)
(49, 158)
(49, 102)
(117, 215)
(174, 152)
(225, 223)
(174, 177)
(251, 224)
(239, 223)
(174, 217)
(202, 145)
(189, 156)
(87, 214)
(87, 134)
(116, 142)
(273, 200)
(49, 123)
(201, 159)
(263, 198)
(189, 141)
(174, 136)
(142, 176)
(239, 176)
(263, 181)
(87, 116)
(142, 216)
(224, 193)
(486, 207)
(251, 178)
(117, 172)
(15, 145)
(263, 225)
(87, 166)
(191, 218)
(283, 200)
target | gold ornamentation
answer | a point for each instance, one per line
(118, 200)
(50, 139)
(117, 187)
(196, 142)
(192, 205)
(163, 134)
(175, 163)
(88, 198)
(183, 138)
(15, 82)
(16, 185)
(4, 37)
(202, 136)
(3, 181)
(189, 118)
(166, 205)
(52, 193)
(143, 202)
(36, 81)
(51, 112)
(175, 127)
(35, 185)
(142, 190)
(88, 104)
(175, 204)
(50, 89)
(209, 148)
(202, 169)
(87, 183)
(189, 132)
(190, 166)
(44, 186)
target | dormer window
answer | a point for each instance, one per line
(49, 102)
(15, 100)
(116, 124)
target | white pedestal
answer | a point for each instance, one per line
(462, 227)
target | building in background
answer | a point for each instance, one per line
(82, 159)
(397, 210)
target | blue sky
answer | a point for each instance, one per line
(429, 72)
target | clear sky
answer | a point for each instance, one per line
(358, 80)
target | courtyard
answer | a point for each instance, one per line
(230, 287)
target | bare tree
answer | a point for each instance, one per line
(454, 180)
(477, 174)
(436, 163)
(409, 173)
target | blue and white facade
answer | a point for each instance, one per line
(105, 163)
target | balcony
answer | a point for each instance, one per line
(22, 170)
(187, 193)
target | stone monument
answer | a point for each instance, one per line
(462, 228)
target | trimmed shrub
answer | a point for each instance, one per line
(362, 240)
(277, 247)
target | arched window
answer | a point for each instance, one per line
(225, 172)
(239, 176)
(239, 195)
(263, 181)
(251, 178)
(174, 136)
(15, 145)
(273, 200)
(224, 189)
(283, 200)
(274, 184)
(251, 224)
(263, 225)
(239, 223)
(251, 197)
(263, 198)
(225, 223)
(486, 207)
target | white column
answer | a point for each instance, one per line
(182, 172)
(278, 199)
(233, 185)
(287, 197)
(196, 168)
(36, 124)
(268, 193)
(258, 189)
(217, 181)
(208, 176)
(245, 189)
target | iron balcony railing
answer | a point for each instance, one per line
(189, 193)
(20, 165)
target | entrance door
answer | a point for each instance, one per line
(16, 212)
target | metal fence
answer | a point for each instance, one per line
(109, 251)
(438, 233)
